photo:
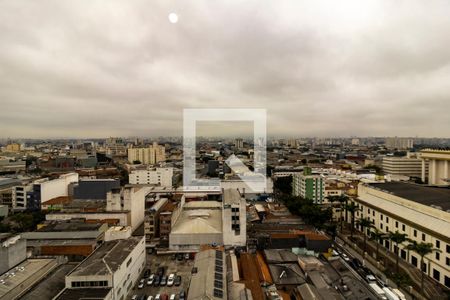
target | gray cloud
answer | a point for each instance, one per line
(101, 68)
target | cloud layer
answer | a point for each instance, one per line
(325, 68)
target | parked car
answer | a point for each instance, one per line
(182, 296)
(146, 273)
(171, 279)
(134, 297)
(179, 256)
(151, 279)
(163, 281)
(156, 280)
(177, 280)
(141, 284)
(172, 297)
(174, 256)
(150, 298)
(187, 256)
(158, 297)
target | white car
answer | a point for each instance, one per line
(171, 279)
(158, 297)
(345, 257)
(172, 297)
(151, 279)
(134, 297)
(150, 298)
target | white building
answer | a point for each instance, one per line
(110, 272)
(147, 156)
(199, 223)
(438, 165)
(154, 176)
(409, 165)
(125, 206)
(41, 190)
(421, 212)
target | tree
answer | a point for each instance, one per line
(377, 236)
(423, 249)
(352, 208)
(283, 185)
(342, 199)
(364, 223)
(397, 238)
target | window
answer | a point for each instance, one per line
(423, 236)
(129, 262)
(381, 217)
(438, 244)
(415, 233)
(373, 213)
(396, 224)
(403, 227)
(447, 261)
(436, 275)
(368, 210)
(387, 228)
(414, 260)
(381, 226)
(387, 219)
(447, 281)
(438, 256)
(448, 248)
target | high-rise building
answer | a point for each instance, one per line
(309, 186)
(147, 156)
(239, 143)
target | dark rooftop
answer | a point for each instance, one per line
(69, 226)
(109, 256)
(77, 294)
(422, 194)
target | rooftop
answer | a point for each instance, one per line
(70, 226)
(107, 258)
(422, 194)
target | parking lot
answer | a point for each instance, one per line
(182, 268)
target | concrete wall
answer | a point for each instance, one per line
(12, 252)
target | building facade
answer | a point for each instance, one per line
(403, 166)
(438, 162)
(155, 176)
(147, 156)
(420, 212)
(309, 186)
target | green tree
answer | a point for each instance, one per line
(351, 208)
(397, 238)
(365, 224)
(342, 199)
(423, 249)
(377, 236)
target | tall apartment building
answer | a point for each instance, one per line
(239, 143)
(421, 212)
(409, 165)
(309, 186)
(399, 143)
(156, 176)
(147, 156)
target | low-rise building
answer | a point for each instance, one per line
(154, 176)
(12, 251)
(110, 272)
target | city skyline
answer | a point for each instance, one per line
(320, 69)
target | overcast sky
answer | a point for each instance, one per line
(320, 68)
